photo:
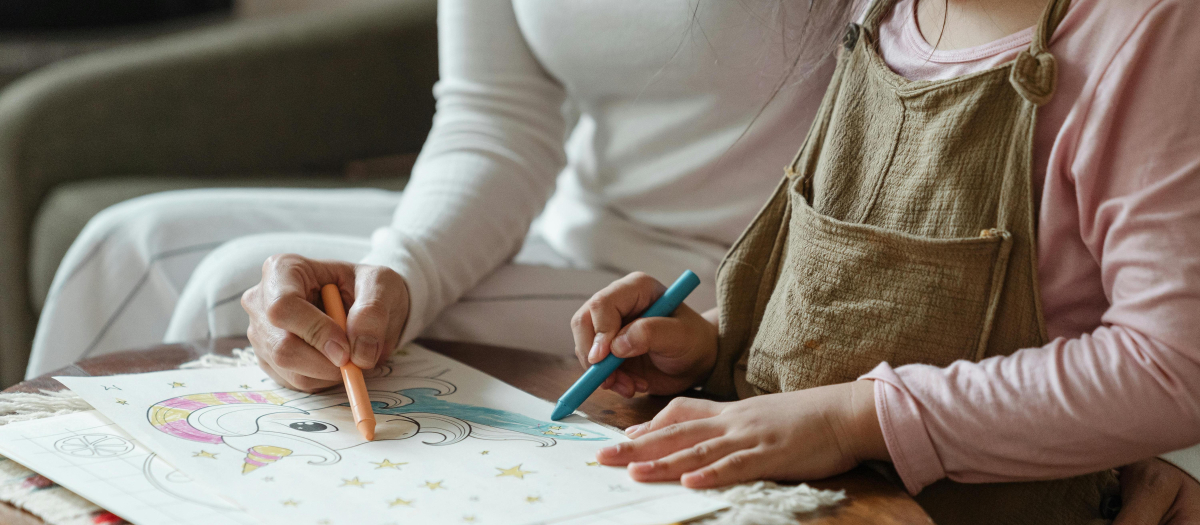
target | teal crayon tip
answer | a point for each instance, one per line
(597, 373)
(561, 411)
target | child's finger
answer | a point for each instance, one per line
(675, 465)
(624, 384)
(678, 410)
(737, 467)
(583, 333)
(608, 382)
(662, 443)
(662, 335)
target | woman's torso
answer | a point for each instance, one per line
(664, 168)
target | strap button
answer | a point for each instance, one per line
(851, 36)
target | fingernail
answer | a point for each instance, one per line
(594, 353)
(642, 385)
(607, 451)
(366, 351)
(633, 429)
(621, 344)
(336, 352)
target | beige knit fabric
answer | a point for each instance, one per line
(904, 233)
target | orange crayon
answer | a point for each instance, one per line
(356, 388)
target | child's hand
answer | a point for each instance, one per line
(666, 355)
(802, 435)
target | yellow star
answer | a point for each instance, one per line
(400, 502)
(484, 453)
(579, 434)
(533, 499)
(177, 384)
(433, 485)
(244, 387)
(290, 503)
(593, 463)
(557, 428)
(550, 433)
(204, 454)
(354, 483)
(387, 464)
(324, 522)
(122, 402)
(515, 472)
(469, 519)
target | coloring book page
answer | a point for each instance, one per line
(453, 445)
(92, 457)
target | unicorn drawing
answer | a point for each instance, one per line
(270, 425)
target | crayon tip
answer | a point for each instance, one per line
(560, 411)
(366, 427)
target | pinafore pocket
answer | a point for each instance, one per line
(849, 296)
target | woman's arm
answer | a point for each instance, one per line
(1130, 389)
(488, 166)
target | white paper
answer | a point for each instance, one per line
(92, 457)
(452, 445)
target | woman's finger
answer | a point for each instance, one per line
(291, 355)
(624, 384)
(1147, 493)
(377, 314)
(687, 460)
(678, 410)
(660, 443)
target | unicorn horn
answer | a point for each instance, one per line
(263, 455)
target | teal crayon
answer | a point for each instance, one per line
(597, 373)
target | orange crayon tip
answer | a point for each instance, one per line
(366, 427)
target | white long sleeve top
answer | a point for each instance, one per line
(660, 171)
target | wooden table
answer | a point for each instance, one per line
(872, 500)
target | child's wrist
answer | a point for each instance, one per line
(866, 431)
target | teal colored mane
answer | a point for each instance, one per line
(425, 400)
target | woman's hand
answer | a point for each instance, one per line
(807, 434)
(665, 355)
(1154, 491)
(297, 344)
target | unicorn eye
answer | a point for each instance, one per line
(312, 426)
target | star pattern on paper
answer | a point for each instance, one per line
(469, 519)
(515, 472)
(533, 499)
(400, 502)
(355, 483)
(484, 453)
(550, 433)
(433, 485)
(122, 401)
(579, 434)
(177, 384)
(111, 387)
(290, 503)
(556, 427)
(387, 464)
(324, 522)
(593, 463)
(205, 454)
(244, 387)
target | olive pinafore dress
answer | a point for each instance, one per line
(903, 232)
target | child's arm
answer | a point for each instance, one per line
(665, 355)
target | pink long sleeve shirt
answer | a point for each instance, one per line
(1117, 162)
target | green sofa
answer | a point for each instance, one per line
(315, 100)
